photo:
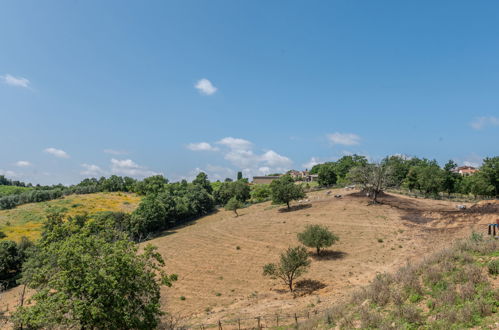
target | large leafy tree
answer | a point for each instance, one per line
(317, 237)
(450, 180)
(294, 262)
(490, 171)
(284, 190)
(90, 281)
(201, 180)
(327, 175)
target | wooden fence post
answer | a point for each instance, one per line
(219, 325)
(239, 324)
(296, 319)
(258, 320)
(277, 319)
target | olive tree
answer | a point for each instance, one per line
(318, 237)
(233, 204)
(284, 190)
(294, 262)
(373, 178)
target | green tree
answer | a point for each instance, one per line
(318, 237)
(294, 262)
(201, 180)
(450, 177)
(153, 184)
(373, 178)
(260, 193)
(233, 204)
(89, 282)
(477, 185)
(239, 189)
(490, 171)
(284, 190)
(239, 175)
(430, 179)
(327, 175)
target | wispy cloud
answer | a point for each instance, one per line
(206, 87)
(346, 139)
(23, 163)
(129, 168)
(15, 81)
(311, 163)
(201, 146)
(481, 122)
(235, 143)
(91, 170)
(57, 152)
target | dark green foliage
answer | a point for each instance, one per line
(451, 178)
(284, 190)
(490, 171)
(238, 189)
(202, 181)
(293, 263)
(342, 166)
(493, 267)
(477, 185)
(239, 175)
(175, 204)
(260, 193)
(318, 237)
(151, 185)
(91, 280)
(327, 175)
(12, 256)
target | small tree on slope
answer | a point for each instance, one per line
(294, 263)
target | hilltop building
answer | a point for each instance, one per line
(466, 170)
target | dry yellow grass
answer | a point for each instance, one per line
(26, 220)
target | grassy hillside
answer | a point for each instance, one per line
(26, 220)
(456, 288)
(12, 190)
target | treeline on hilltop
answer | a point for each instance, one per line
(44, 193)
(414, 174)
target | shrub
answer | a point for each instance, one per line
(493, 267)
(318, 237)
(233, 204)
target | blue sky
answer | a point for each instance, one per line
(91, 88)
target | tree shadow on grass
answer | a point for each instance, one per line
(296, 207)
(329, 255)
(307, 286)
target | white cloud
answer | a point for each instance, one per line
(204, 86)
(481, 122)
(91, 170)
(57, 152)
(115, 152)
(273, 159)
(129, 168)
(235, 143)
(15, 81)
(346, 139)
(201, 146)
(311, 163)
(23, 163)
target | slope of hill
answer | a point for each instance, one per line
(455, 288)
(219, 258)
(26, 220)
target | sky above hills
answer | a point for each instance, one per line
(92, 88)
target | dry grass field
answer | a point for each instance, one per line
(26, 220)
(219, 258)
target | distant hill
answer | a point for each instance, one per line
(26, 220)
